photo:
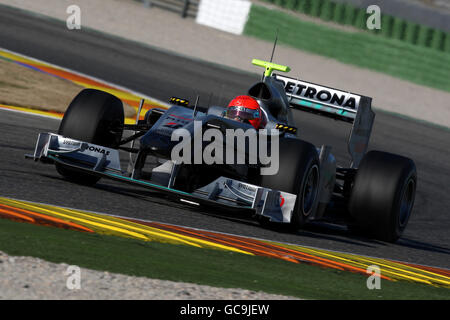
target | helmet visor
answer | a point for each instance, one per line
(242, 113)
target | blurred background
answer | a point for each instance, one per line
(404, 64)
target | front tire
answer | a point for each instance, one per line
(298, 174)
(383, 195)
(93, 116)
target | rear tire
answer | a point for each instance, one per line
(383, 195)
(93, 116)
(298, 174)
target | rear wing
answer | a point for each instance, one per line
(337, 104)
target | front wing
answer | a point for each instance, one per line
(223, 192)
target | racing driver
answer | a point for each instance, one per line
(246, 109)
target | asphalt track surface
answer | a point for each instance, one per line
(161, 74)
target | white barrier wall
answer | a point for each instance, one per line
(226, 15)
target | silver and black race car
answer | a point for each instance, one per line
(373, 195)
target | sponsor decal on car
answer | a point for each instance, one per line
(321, 94)
(98, 150)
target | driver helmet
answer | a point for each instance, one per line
(245, 108)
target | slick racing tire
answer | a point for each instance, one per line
(383, 195)
(298, 174)
(93, 116)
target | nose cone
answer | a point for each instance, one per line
(158, 138)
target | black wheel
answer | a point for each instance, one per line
(93, 116)
(383, 195)
(298, 174)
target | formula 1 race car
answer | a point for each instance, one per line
(373, 195)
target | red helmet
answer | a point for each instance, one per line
(245, 108)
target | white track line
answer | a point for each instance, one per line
(30, 113)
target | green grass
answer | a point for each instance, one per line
(202, 266)
(345, 13)
(414, 63)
